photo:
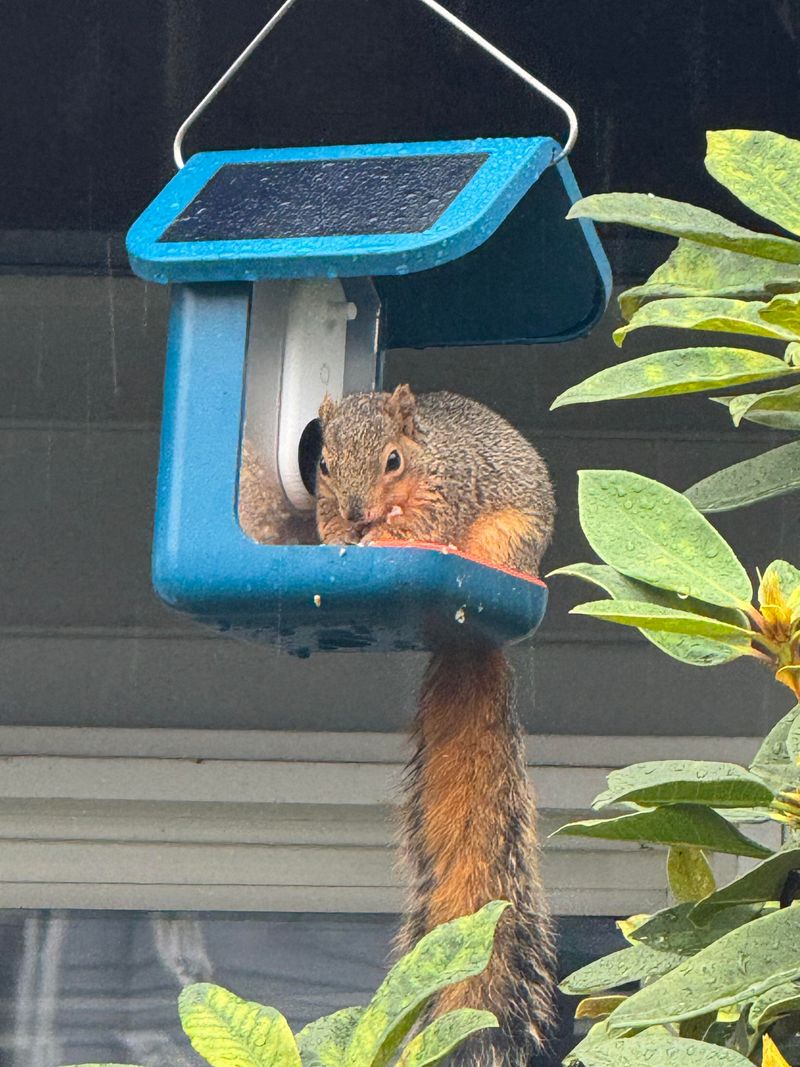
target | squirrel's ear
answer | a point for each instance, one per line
(402, 406)
(326, 408)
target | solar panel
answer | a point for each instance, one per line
(346, 211)
(324, 198)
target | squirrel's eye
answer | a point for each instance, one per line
(393, 461)
(323, 467)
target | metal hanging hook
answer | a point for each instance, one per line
(448, 16)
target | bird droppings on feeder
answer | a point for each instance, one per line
(461, 614)
(317, 600)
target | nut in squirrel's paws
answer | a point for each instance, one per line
(382, 531)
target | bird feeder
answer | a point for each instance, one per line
(292, 270)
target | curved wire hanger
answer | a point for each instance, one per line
(448, 16)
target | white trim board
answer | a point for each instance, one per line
(260, 821)
(602, 750)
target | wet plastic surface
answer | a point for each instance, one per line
(303, 598)
(450, 216)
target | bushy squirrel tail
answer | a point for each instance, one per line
(469, 837)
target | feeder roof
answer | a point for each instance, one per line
(352, 210)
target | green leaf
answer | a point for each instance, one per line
(626, 965)
(596, 1036)
(683, 220)
(695, 270)
(738, 967)
(598, 1007)
(673, 929)
(783, 312)
(448, 954)
(687, 648)
(230, 1032)
(444, 1035)
(652, 617)
(780, 1000)
(773, 762)
(661, 1050)
(771, 474)
(674, 824)
(706, 313)
(793, 742)
(719, 785)
(324, 1042)
(689, 874)
(773, 747)
(763, 883)
(649, 532)
(778, 408)
(678, 370)
(760, 168)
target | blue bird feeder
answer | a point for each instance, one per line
(292, 270)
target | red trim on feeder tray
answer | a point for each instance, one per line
(447, 550)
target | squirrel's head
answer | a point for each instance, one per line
(369, 441)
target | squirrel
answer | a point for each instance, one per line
(444, 469)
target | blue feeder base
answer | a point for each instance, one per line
(303, 598)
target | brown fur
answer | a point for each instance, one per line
(264, 514)
(468, 479)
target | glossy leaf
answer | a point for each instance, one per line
(778, 408)
(674, 930)
(443, 1036)
(707, 313)
(738, 967)
(652, 617)
(687, 648)
(652, 533)
(773, 748)
(695, 270)
(661, 1050)
(780, 1000)
(618, 968)
(448, 954)
(674, 824)
(323, 1043)
(772, 761)
(627, 927)
(689, 874)
(230, 1032)
(762, 883)
(760, 168)
(783, 312)
(676, 371)
(771, 1055)
(719, 785)
(596, 1036)
(771, 474)
(598, 1007)
(678, 219)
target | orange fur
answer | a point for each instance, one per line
(499, 536)
(473, 819)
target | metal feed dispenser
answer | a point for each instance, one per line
(292, 269)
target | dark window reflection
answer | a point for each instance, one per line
(96, 987)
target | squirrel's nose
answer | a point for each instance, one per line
(355, 513)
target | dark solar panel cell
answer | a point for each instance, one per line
(324, 198)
